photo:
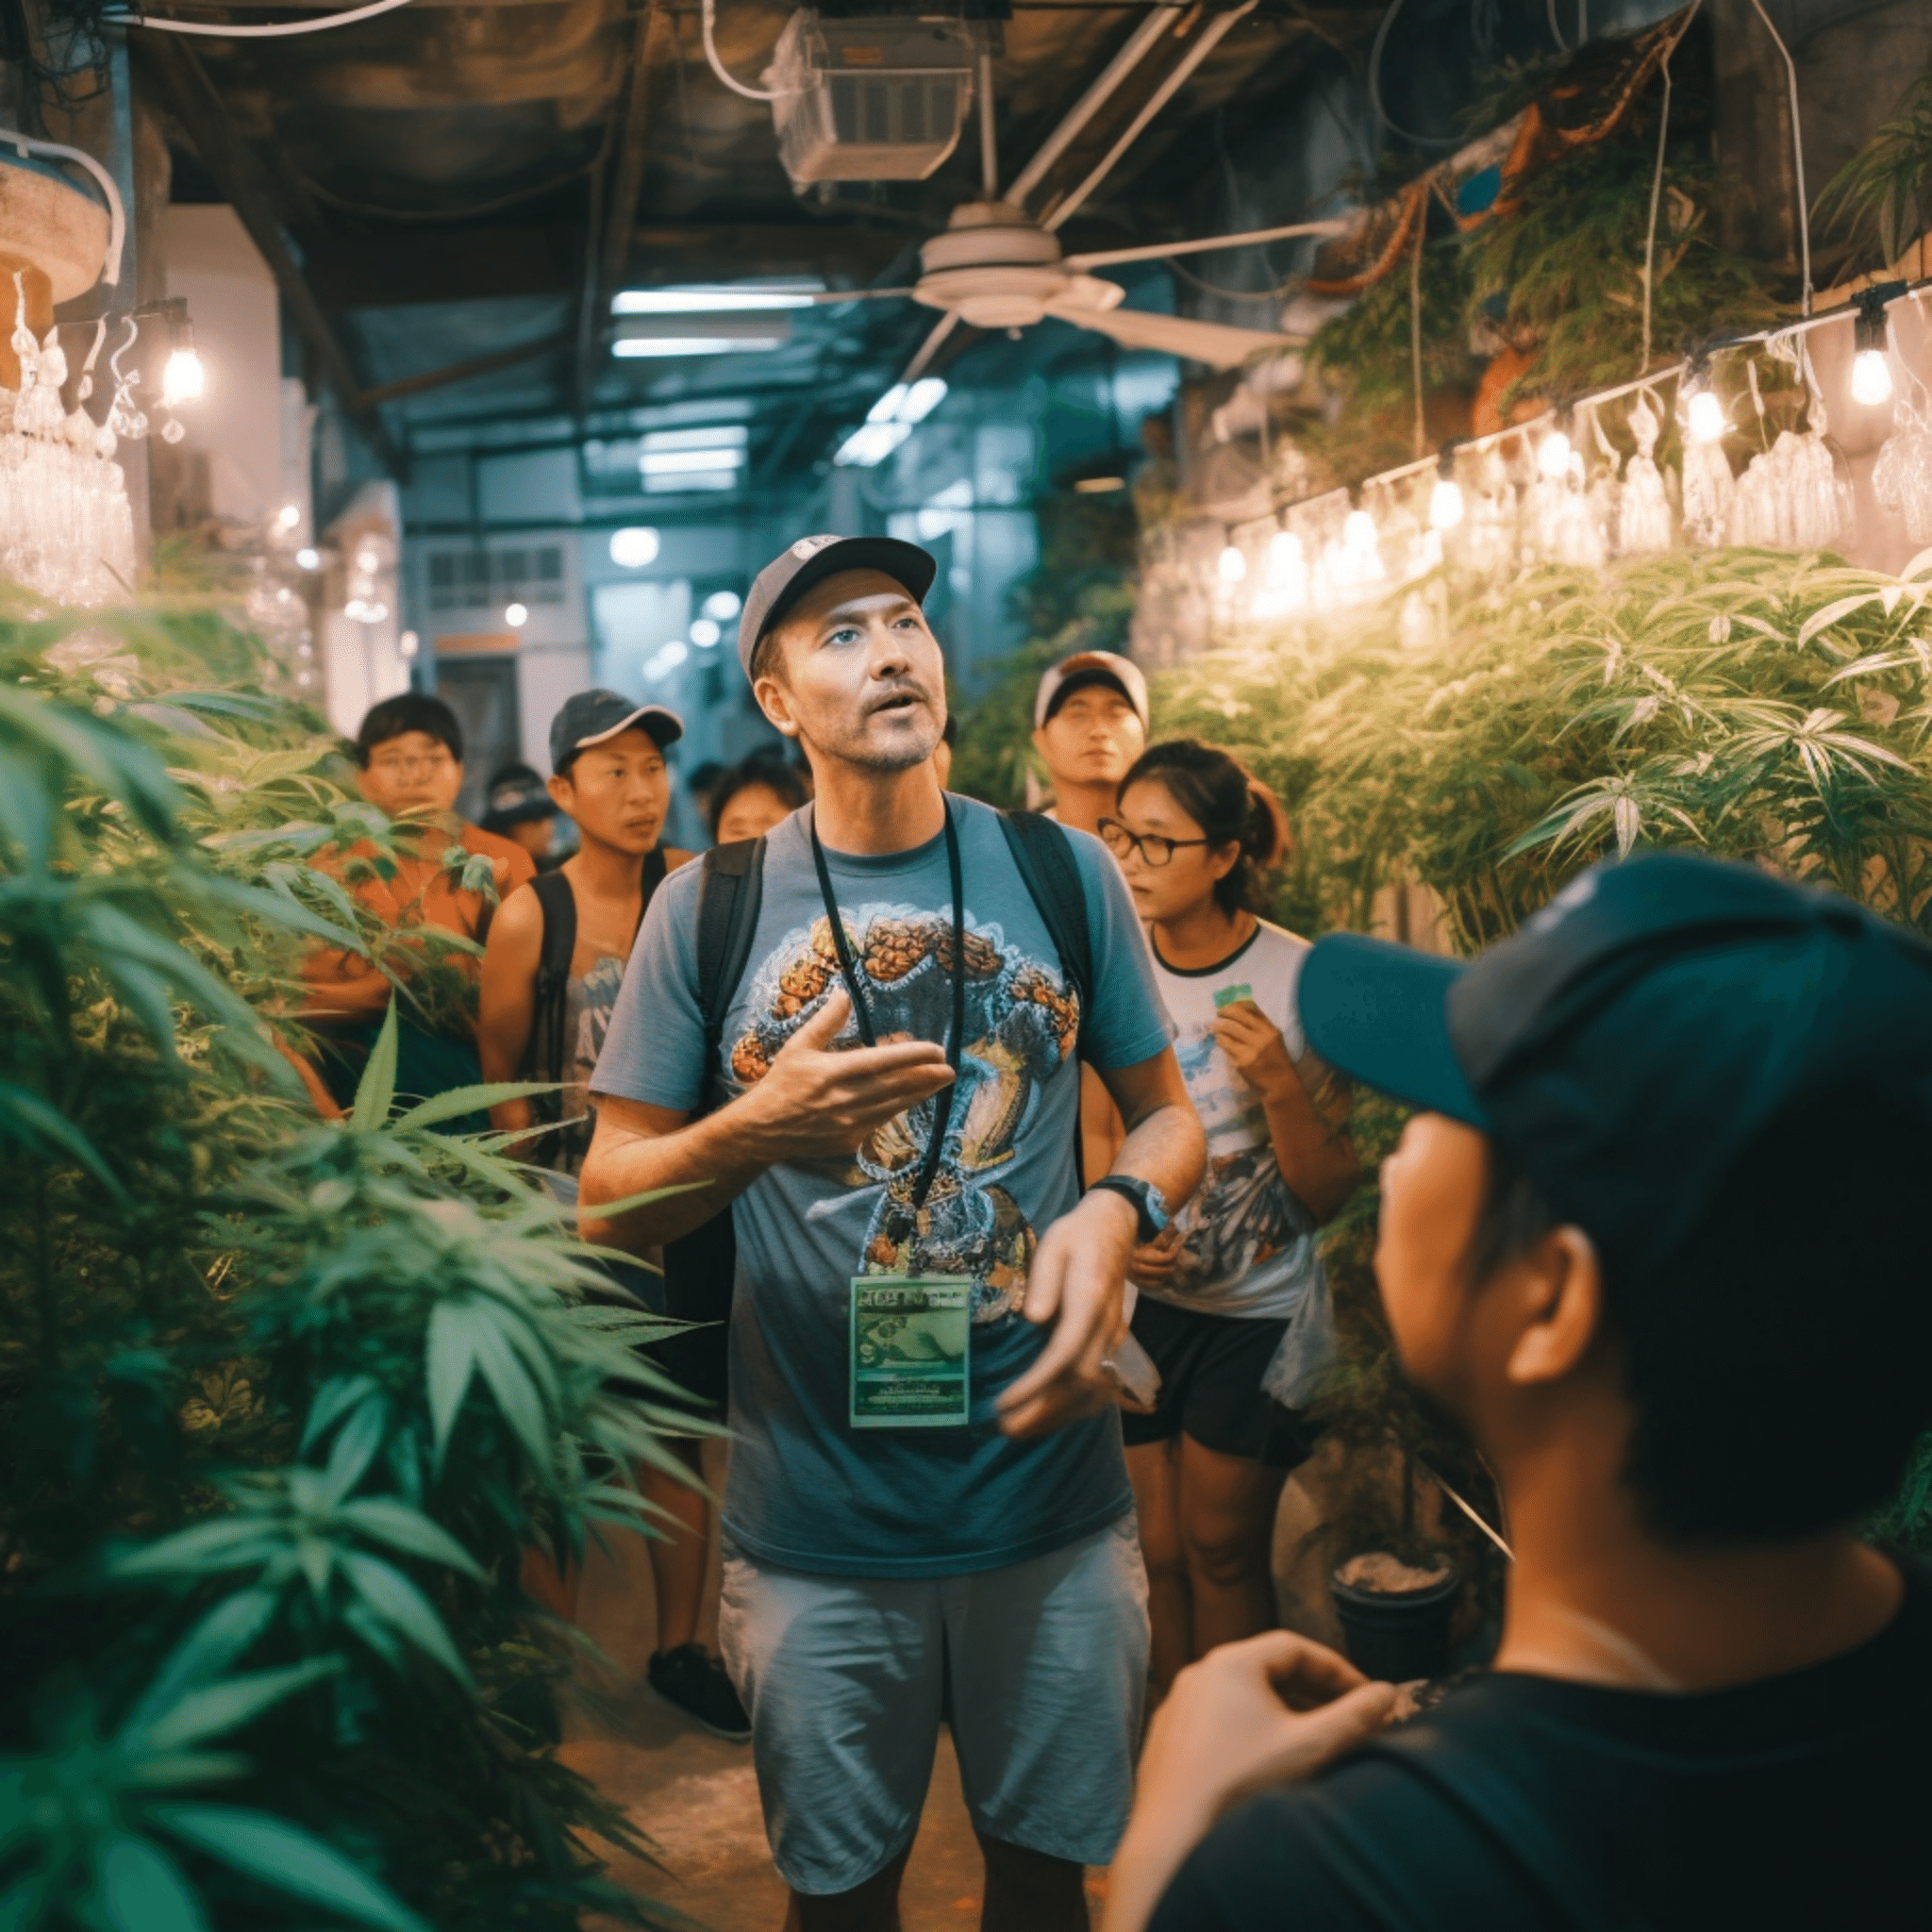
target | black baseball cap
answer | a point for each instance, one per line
(516, 795)
(1638, 1034)
(1060, 681)
(592, 716)
(812, 560)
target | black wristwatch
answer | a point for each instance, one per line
(1149, 1202)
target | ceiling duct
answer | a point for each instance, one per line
(868, 100)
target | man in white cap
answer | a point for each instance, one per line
(1089, 723)
(928, 1512)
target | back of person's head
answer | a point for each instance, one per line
(1230, 805)
(1775, 1359)
(762, 771)
(410, 711)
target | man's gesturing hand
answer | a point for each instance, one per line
(1076, 1282)
(815, 1104)
(1247, 1716)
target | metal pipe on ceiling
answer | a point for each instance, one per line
(1083, 110)
(1205, 43)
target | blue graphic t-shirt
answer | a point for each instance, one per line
(807, 1491)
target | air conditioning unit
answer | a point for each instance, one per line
(868, 100)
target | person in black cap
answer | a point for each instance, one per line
(1654, 1238)
(927, 1496)
(517, 806)
(551, 974)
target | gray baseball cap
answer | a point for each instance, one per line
(812, 560)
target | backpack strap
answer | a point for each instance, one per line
(1044, 857)
(729, 894)
(543, 1056)
(654, 872)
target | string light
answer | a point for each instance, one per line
(516, 615)
(1872, 359)
(183, 378)
(1704, 418)
(1553, 455)
(1233, 565)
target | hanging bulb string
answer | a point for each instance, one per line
(1656, 183)
(1792, 331)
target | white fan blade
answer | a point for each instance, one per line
(1159, 251)
(930, 348)
(1213, 343)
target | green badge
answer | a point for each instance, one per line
(1226, 996)
(911, 1340)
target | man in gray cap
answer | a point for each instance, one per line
(928, 1510)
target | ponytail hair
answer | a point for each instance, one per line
(1230, 805)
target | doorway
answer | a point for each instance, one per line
(482, 692)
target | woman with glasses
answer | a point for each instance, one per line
(1236, 1268)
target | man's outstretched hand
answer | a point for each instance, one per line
(817, 1103)
(1247, 1716)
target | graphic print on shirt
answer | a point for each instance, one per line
(1243, 1212)
(1021, 1024)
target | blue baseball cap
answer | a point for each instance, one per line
(592, 716)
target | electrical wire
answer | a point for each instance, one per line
(708, 18)
(1797, 159)
(1441, 141)
(117, 214)
(1556, 32)
(1656, 184)
(280, 30)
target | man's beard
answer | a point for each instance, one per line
(859, 749)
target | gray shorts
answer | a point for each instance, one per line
(844, 1676)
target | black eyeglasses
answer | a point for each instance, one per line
(1154, 849)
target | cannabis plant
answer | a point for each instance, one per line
(1490, 744)
(283, 1403)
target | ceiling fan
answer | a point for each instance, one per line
(995, 266)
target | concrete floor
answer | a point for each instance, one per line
(695, 1798)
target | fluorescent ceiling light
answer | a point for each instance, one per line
(691, 345)
(713, 298)
(684, 463)
(873, 443)
(693, 480)
(889, 421)
(713, 435)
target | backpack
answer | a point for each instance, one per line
(698, 1266)
(543, 1056)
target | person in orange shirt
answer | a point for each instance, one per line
(410, 752)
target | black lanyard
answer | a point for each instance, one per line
(861, 1009)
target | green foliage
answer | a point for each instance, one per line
(1570, 265)
(284, 1404)
(1881, 199)
(1751, 704)
(1754, 705)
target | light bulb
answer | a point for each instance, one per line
(289, 516)
(1553, 455)
(516, 615)
(408, 643)
(1359, 532)
(1233, 565)
(1871, 377)
(1285, 556)
(705, 632)
(634, 547)
(1445, 504)
(183, 379)
(309, 559)
(1704, 416)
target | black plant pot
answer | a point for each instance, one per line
(1397, 1635)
